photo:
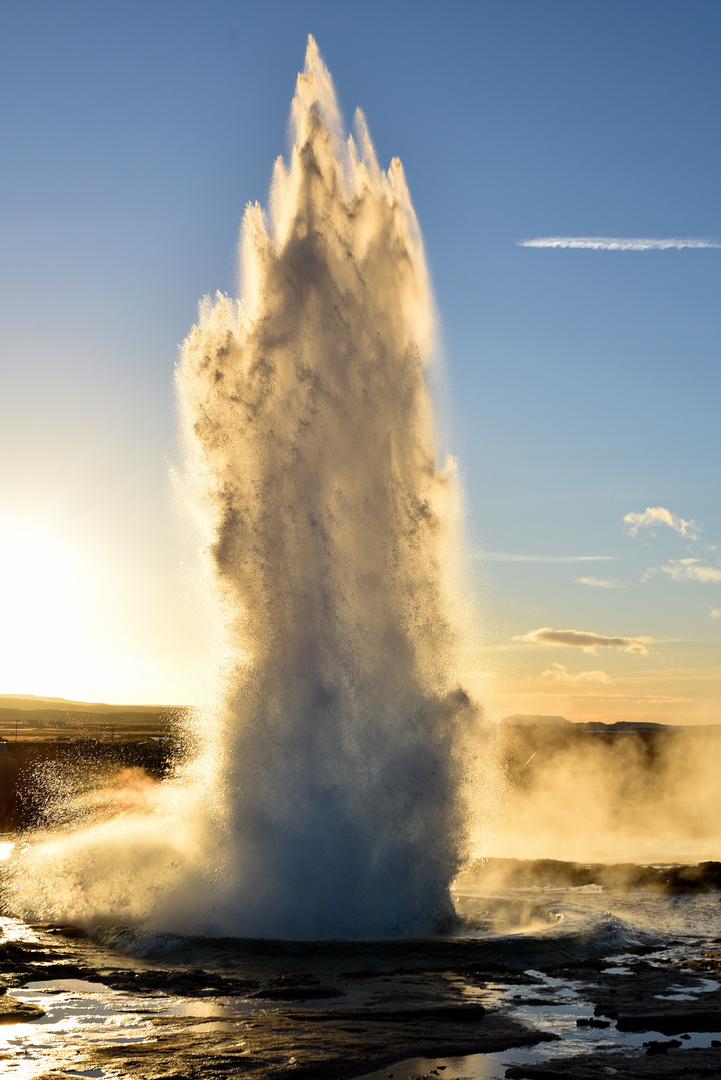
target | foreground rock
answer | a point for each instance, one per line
(675, 879)
(277, 1025)
(13, 1011)
(663, 995)
(295, 1013)
(693, 1064)
(312, 1044)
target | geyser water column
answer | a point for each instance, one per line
(335, 730)
(327, 794)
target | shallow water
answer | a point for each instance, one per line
(523, 929)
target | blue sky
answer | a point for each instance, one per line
(583, 384)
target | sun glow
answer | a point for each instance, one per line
(45, 595)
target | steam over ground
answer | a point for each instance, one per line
(573, 793)
(328, 794)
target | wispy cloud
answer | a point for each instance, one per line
(598, 583)
(582, 639)
(505, 556)
(560, 673)
(659, 515)
(619, 243)
(691, 570)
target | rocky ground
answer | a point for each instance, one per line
(658, 997)
(293, 1025)
(346, 1023)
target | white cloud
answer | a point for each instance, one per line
(715, 613)
(618, 243)
(585, 640)
(561, 674)
(659, 515)
(599, 583)
(691, 570)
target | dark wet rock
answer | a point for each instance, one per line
(492, 972)
(297, 988)
(519, 999)
(13, 1011)
(328, 1044)
(69, 931)
(451, 1014)
(644, 1000)
(47, 972)
(692, 1064)
(707, 962)
(672, 1021)
(703, 877)
(656, 1047)
(192, 984)
(29, 961)
(12, 952)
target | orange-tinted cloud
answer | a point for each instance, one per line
(585, 640)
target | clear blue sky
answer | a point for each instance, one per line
(584, 384)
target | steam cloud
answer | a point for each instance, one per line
(328, 796)
(653, 798)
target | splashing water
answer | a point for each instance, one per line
(327, 796)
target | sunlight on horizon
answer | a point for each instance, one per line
(54, 638)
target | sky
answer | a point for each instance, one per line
(582, 375)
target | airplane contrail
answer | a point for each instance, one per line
(618, 243)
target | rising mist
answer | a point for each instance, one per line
(328, 794)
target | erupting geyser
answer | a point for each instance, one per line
(327, 797)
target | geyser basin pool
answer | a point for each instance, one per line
(327, 795)
(539, 990)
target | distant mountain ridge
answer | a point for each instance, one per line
(620, 726)
(31, 702)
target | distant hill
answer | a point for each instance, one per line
(621, 727)
(27, 717)
(29, 702)
(519, 718)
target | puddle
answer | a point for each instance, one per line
(80, 1015)
(689, 993)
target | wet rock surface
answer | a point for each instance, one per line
(658, 996)
(318, 1045)
(673, 878)
(329, 1022)
(13, 1011)
(334, 1025)
(691, 1064)
(662, 995)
